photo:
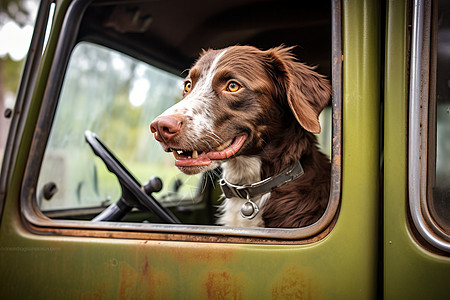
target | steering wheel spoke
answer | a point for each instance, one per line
(133, 194)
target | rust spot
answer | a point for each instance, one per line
(144, 282)
(128, 276)
(99, 294)
(223, 285)
(293, 284)
(144, 269)
(215, 256)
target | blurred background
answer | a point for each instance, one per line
(16, 28)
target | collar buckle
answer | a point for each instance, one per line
(248, 191)
(230, 190)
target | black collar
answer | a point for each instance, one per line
(249, 191)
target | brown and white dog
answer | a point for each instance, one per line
(253, 112)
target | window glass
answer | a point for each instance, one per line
(115, 97)
(440, 204)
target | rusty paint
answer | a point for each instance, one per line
(293, 284)
(211, 258)
(98, 294)
(144, 282)
(157, 236)
(144, 269)
(223, 285)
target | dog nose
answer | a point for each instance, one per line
(166, 127)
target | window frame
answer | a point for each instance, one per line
(24, 94)
(421, 131)
(41, 224)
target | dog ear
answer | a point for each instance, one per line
(307, 91)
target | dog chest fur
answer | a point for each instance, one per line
(242, 170)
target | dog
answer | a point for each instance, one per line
(254, 112)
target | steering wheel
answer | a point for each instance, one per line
(133, 194)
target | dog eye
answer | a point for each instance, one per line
(187, 87)
(233, 87)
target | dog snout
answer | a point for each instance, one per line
(166, 128)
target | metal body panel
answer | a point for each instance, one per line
(410, 270)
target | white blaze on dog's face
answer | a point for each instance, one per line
(234, 101)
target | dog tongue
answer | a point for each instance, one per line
(186, 161)
(205, 159)
(231, 150)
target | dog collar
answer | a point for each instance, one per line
(248, 191)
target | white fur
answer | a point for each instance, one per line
(199, 99)
(242, 170)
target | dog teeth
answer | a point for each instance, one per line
(177, 153)
(195, 153)
(223, 146)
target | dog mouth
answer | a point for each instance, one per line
(196, 158)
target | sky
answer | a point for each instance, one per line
(15, 40)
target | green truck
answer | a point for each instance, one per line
(79, 146)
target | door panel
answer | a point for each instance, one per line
(97, 263)
(411, 271)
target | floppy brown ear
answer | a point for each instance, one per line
(307, 91)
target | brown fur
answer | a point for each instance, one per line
(278, 107)
(302, 202)
(284, 135)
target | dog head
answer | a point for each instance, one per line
(234, 101)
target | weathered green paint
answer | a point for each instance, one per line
(410, 272)
(344, 265)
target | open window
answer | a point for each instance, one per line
(122, 65)
(429, 136)
(115, 96)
